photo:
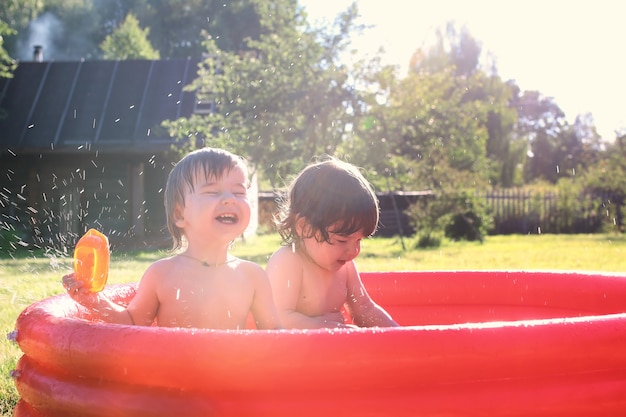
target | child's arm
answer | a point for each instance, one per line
(108, 310)
(144, 306)
(263, 307)
(365, 312)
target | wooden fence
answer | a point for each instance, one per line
(523, 211)
(515, 211)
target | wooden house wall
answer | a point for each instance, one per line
(81, 145)
(50, 200)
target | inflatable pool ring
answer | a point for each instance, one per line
(91, 260)
(490, 343)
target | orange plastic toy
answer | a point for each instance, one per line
(91, 260)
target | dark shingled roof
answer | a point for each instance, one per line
(98, 105)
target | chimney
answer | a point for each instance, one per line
(38, 53)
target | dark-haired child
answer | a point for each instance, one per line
(328, 209)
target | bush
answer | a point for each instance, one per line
(428, 241)
(469, 217)
(460, 215)
(465, 226)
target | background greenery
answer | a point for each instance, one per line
(27, 278)
(285, 92)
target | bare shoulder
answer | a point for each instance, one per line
(167, 263)
(159, 269)
(250, 269)
(284, 257)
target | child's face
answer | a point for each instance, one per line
(217, 209)
(333, 255)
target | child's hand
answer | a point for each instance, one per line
(97, 302)
(78, 292)
(335, 319)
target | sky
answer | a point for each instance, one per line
(571, 51)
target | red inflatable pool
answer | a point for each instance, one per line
(472, 344)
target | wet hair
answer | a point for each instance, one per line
(210, 162)
(327, 194)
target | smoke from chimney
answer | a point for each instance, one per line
(38, 53)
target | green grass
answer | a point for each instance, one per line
(26, 279)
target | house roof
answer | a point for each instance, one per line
(95, 105)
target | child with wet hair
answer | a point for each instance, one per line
(328, 209)
(201, 285)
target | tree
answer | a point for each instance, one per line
(75, 29)
(431, 131)
(457, 52)
(607, 178)
(428, 131)
(578, 147)
(540, 122)
(7, 64)
(16, 15)
(66, 29)
(499, 120)
(439, 118)
(454, 46)
(177, 25)
(281, 100)
(128, 41)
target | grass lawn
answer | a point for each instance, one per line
(28, 278)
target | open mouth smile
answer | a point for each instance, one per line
(227, 218)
